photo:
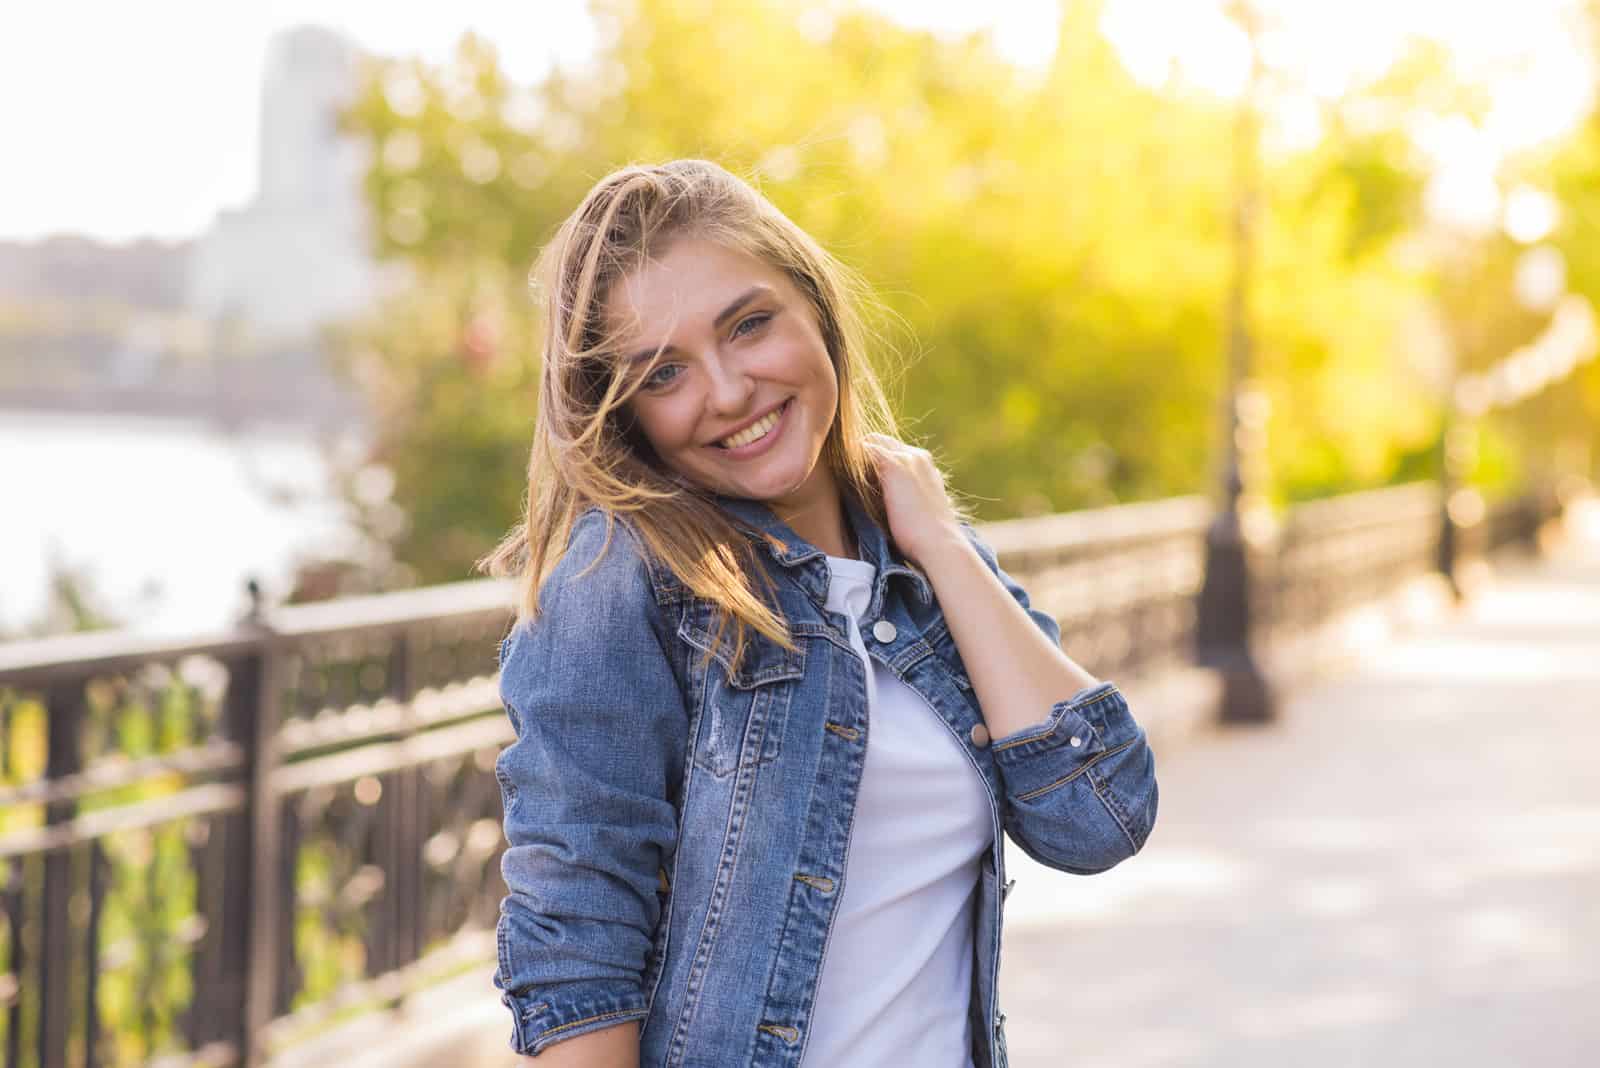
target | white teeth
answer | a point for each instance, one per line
(753, 432)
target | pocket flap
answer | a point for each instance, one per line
(764, 660)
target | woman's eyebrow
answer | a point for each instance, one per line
(723, 316)
(740, 301)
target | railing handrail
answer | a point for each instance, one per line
(1099, 527)
(40, 661)
(1364, 507)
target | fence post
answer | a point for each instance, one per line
(406, 813)
(64, 758)
(254, 711)
(1453, 441)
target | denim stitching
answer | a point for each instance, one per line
(502, 949)
(929, 642)
(790, 666)
(1114, 805)
(1031, 794)
(721, 891)
(592, 1019)
(665, 918)
(1055, 721)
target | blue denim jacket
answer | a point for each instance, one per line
(678, 834)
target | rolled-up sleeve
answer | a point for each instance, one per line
(586, 786)
(1080, 787)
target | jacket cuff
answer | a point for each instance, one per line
(1078, 732)
(541, 1016)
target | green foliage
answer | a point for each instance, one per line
(1058, 246)
(1559, 427)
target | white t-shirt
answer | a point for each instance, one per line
(897, 977)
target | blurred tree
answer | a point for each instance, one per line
(1055, 243)
(1559, 424)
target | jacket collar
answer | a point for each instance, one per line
(807, 561)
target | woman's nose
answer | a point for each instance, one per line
(731, 387)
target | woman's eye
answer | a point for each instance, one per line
(654, 379)
(758, 321)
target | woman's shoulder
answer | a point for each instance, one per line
(601, 586)
(604, 556)
(612, 540)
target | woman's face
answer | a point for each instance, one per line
(744, 394)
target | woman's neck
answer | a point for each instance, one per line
(825, 525)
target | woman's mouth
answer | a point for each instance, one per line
(754, 440)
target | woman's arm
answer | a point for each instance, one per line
(1080, 783)
(614, 1047)
(1081, 791)
(587, 788)
(1017, 670)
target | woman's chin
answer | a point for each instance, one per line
(765, 479)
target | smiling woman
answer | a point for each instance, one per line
(750, 399)
(682, 308)
(762, 777)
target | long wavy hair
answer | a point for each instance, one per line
(585, 448)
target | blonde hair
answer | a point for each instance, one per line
(585, 452)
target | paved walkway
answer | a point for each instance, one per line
(1405, 871)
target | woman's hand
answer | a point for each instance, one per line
(921, 517)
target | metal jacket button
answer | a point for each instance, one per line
(883, 630)
(980, 735)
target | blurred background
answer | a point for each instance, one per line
(289, 264)
(1253, 328)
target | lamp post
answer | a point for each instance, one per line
(1223, 623)
(1567, 341)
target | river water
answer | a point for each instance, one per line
(163, 519)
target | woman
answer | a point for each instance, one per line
(769, 731)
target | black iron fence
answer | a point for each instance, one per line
(1121, 581)
(1336, 553)
(210, 850)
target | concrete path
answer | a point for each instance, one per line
(1405, 871)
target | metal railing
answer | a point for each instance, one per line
(210, 849)
(1121, 581)
(1336, 553)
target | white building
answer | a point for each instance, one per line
(297, 255)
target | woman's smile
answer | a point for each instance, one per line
(757, 438)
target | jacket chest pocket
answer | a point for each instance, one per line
(742, 713)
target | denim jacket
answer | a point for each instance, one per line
(678, 834)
